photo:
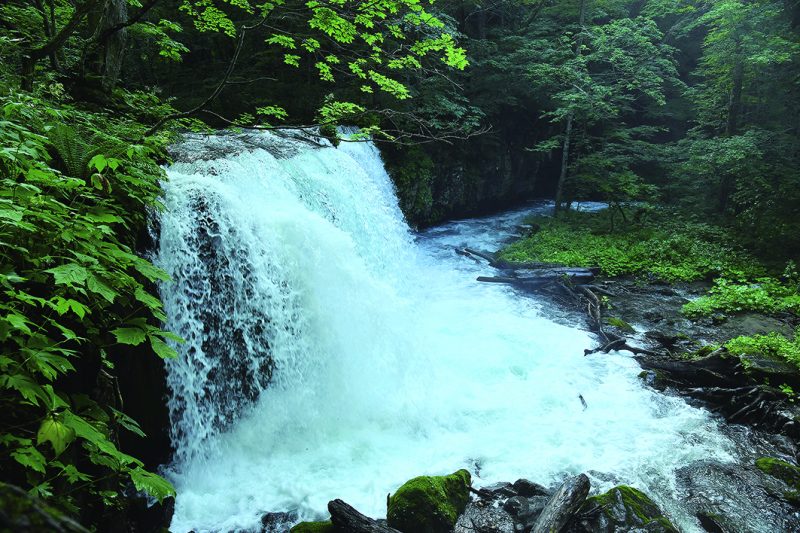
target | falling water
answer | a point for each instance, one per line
(332, 353)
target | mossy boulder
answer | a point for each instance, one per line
(621, 509)
(313, 527)
(786, 472)
(429, 504)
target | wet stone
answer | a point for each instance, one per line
(479, 517)
(528, 489)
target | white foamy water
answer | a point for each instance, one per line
(391, 361)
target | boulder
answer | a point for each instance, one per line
(786, 472)
(526, 488)
(739, 497)
(429, 504)
(313, 527)
(622, 508)
(482, 518)
(280, 521)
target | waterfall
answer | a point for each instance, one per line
(332, 353)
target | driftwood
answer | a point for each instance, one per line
(562, 505)
(346, 518)
(506, 265)
(556, 275)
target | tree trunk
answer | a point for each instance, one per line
(30, 58)
(732, 126)
(113, 47)
(562, 177)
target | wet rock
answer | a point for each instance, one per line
(517, 506)
(622, 508)
(497, 491)
(786, 472)
(711, 523)
(277, 522)
(664, 339)
(525, 511)
(740, 498)
(524, 487)
(482, 518)
(429, 504)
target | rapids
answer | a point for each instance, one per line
(387, 359)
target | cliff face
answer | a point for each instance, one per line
(441, 181)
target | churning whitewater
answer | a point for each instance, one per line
(331, 353)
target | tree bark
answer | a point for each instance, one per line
(30, 59)
(562, 177)
(562, 505)
(346, 518)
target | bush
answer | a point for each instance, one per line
(772, 345)
(764, 295)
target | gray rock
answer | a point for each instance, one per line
(524, 487)
(499, 490)
(481, 518)
(517, 506)
(740, 498)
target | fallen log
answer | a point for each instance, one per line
(483, 255)
(346, 518)
(562, 505)
(571, 275)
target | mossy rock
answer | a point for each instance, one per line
(313, 527)
(623, 508)
(786, 472)
(429, 504)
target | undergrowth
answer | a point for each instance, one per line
(763, 295)
(772, 345)
(657, 244)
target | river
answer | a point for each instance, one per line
(387, 359)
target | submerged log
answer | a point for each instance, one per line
(346, 518)
(562, 505)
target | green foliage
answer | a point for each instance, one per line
(764, 295)
(772, 345)
(665, 246)
(73, 291)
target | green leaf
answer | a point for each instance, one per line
(56, 433)
(154, 485)
(98, 162)
(131, 336)
(162, 349)
(150, 301)
(30, 457)
(69, 274)
(98, 286)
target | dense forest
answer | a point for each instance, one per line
(682, 116)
